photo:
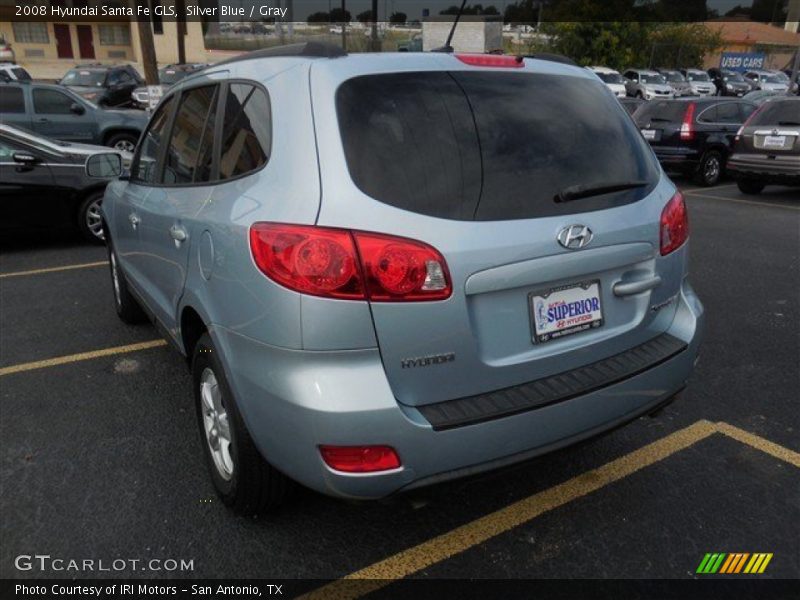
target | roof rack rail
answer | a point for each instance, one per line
(307, 49)
(559, 58)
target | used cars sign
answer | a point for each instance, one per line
(742, 61)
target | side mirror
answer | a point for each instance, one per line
(76, 108)
(106, 165)
(26, 159)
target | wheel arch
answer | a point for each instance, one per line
(116, 130)
(192, 327)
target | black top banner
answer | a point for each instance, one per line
(399, 12)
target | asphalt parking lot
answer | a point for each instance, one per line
(101, 456)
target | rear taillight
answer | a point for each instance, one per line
(674, 224)
(360, 459)
(492, 60)
(746, 123)
(687, 127)
(349, 265)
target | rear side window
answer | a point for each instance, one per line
(729, 113)
(144, 170)
(11, 100)
(187, 134)
(246, 131)
(51, 102)
(488, 146)
(780, 112)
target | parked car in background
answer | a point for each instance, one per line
(699, 81)
(56, 112)
(677, 82)
(612, 79)
(6, 51)
(767, 148)
(534, 296)
(693, 136)
(104, 85)
(631, 104)
(44, 184)
(643, 83)
(767, 80)
(729, 83)
(13, 72)
(761, 96)
(795, 86)
(167, 77)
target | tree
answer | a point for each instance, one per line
(319, 17)
(340, 16)
(365, 17)
(398, 18)
(476, 9)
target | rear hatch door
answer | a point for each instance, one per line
(470, 160)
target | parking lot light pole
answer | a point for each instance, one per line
(148, 52)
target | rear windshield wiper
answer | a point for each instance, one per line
(576, 192)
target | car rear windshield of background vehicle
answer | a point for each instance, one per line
(11, 100)
(662, 110)
(778, 112)
(488, 146)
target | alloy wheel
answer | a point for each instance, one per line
(216, 424)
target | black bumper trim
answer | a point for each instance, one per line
(549, 390)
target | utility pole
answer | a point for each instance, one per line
(344, 25)
(376, 44)
(148, 52)
(180, 22)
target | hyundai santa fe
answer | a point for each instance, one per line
(391, 270)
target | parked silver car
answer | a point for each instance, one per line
(699, 81)
(643, 83)
(371, 299)
(767, 80)
(677, 82)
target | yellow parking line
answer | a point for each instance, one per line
(736, 200)
(759, 443)
(458, 540)
(63, 360)
(697, 189)
(53, 269)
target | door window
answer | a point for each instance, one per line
(51, 102)
(729, 113)
(144, 168)
(187, 135)
(246, 131)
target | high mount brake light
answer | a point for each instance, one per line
(674, 224)
(349, 265)
(492, 60)
(687, 127)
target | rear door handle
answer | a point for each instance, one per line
(134, 219)
(630, 288)
(178, 233)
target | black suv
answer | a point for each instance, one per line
(102, 84)
(693, 136)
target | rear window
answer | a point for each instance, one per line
(488, 146)
(661, 110)
(778, 112)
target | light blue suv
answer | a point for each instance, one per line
(391, 270)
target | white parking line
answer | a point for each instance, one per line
(738, 201)
(53, 269)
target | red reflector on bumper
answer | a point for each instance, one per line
(360, 459)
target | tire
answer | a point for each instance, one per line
(750, 186)
(125, 141)
(90, 223)
(127, 307)
(243, 480)
(640, 95)
(710, 169)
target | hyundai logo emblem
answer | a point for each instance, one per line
(575, 237)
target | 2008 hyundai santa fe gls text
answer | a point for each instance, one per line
(391, 270)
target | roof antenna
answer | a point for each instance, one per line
(447, 47)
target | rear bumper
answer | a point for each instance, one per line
(294, 401)
(677, 157)
(759, 166)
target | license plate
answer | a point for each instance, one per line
(565, 310)
(774, 141)
(649, 134)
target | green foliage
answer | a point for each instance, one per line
(621, 45)
(471, 9)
